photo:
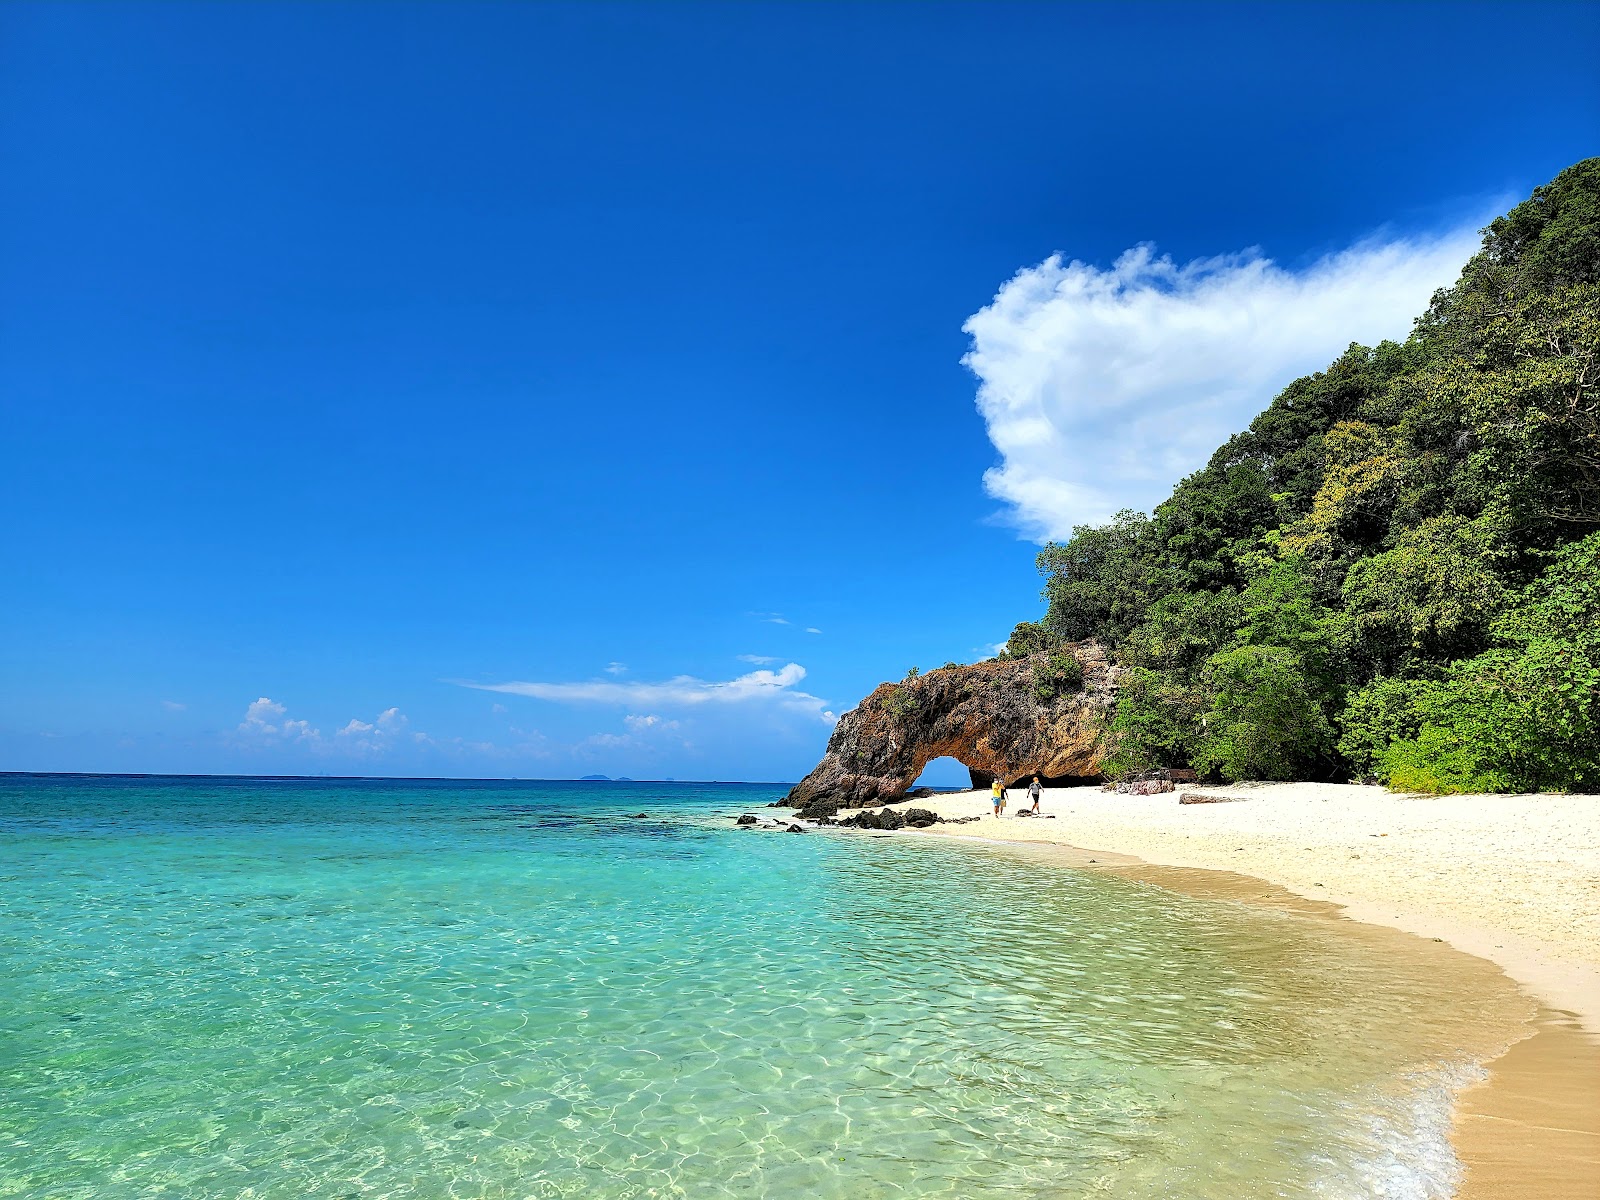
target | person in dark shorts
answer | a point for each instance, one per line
(1034, 789)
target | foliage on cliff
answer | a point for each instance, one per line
(1396, 569)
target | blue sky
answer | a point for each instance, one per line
(612, 355)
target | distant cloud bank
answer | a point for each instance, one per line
(1101, 388)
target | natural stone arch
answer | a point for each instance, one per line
(987, 716)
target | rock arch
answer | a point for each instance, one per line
(986, 715)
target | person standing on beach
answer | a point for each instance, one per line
(997, 795)
(1033, 790)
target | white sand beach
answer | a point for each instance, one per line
(1514, 879)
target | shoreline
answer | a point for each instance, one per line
(1511, 880)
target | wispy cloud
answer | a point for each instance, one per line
(1102, 387)
(616, 668)
(642, 724)
(760, 660)
(683, 690)
(812, 629)
(173, 706)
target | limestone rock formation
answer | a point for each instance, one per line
(989, 716)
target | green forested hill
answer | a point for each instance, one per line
(1395, 571)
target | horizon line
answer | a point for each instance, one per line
(373, 778)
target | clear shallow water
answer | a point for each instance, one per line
(445, 989)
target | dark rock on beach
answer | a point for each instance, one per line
(747, 819)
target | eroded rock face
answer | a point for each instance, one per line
(986, 715)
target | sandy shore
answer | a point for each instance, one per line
(1511, 879)
(1514, 879)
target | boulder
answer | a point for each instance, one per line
(796, 829)
(747, 819)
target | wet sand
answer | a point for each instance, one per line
(1514, 880)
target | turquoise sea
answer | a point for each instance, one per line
(353, 988)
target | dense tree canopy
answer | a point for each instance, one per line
(1395, 571)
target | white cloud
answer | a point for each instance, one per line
(1102, 387)
(265, 721)
(760, 660)
(775, 620)
(640, 724)
(497, 707)
(173, 706)
(378, 735)
(605, 741)
(812, 629)
(616, 668)
(683, 690)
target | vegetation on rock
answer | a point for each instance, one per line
(1395, 571)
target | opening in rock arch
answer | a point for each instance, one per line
(945, 772)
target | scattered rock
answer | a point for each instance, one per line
(1202, 798)
(640, 817)
(796, 829)
(920, 818)
(747, 819)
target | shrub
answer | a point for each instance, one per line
(900, 701)
(1029, 637)
(1156, 723)
(1438, 762)
(1264, 721)
(1057, 675)
(1383, 712)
